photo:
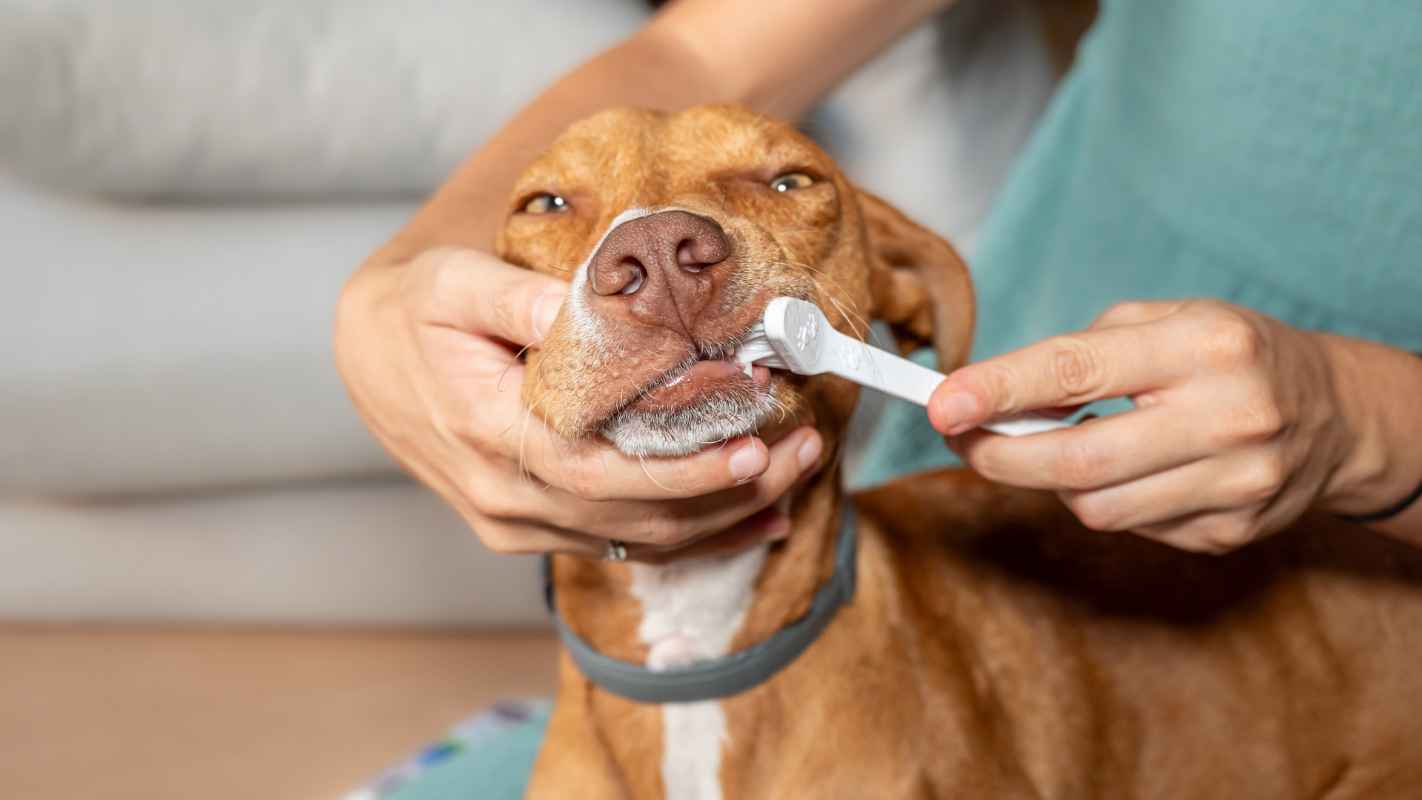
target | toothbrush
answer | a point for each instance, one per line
(795, 335)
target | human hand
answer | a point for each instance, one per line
(429, 353)
(1239, 425)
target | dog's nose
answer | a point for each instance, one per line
(662, 263)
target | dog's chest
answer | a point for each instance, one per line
(690, 612)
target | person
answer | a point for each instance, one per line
(1219, 218)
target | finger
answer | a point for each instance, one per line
(678, 522)
(665, 523)
(767, 525)
(591, 469)
(500, 535)
(1091, 455)
(1064, 370)
(526, 537)
(477, 293)
(1234, 483)
(513, 513)
(1135, 312)
(594, 470)
(1221, 531)
(1210, 532)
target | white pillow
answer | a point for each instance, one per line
(176, 99)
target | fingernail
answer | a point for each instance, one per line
(749, 460)
(809, 451)
(545, 311)
(954, 410)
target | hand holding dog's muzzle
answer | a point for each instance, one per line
(429, 351)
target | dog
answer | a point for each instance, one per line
(993, 648)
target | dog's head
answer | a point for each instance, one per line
(675, 230)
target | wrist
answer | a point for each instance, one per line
(1374, 389)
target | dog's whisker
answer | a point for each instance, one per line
(824, 281)
(499, 384)
(849, 318)
(643, 461)
(525, 474)
(828, 286)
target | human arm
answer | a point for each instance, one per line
(775, 56)
(1242, 423)
(428, 328)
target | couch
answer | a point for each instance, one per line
(183, 188)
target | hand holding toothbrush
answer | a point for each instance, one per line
(795, 335)
(1241, 424)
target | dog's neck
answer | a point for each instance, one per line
(625, 610)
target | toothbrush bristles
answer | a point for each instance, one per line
(755, 348)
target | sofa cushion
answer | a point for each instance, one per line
(166, 349)
(167, 99)
(373, 553)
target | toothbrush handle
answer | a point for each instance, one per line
(1024, 424)
(882, 370)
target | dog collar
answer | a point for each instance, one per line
(729, 674)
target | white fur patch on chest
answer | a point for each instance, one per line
(690, 613)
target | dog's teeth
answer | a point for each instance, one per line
(747, 368)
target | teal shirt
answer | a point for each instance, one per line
(1268, 153)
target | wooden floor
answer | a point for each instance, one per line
(120, 714)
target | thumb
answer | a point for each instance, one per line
(480, 294)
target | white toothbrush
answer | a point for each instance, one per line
(795, 335)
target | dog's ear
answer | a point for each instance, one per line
(919, 285)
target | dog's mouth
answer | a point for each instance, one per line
(697, 381)
(706, 399)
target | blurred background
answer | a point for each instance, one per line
(212, 581)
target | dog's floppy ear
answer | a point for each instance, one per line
(919, 285)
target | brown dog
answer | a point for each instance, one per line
(994, 648)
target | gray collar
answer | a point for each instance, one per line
(729, 674)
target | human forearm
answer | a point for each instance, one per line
(1380, 393)
(776, 57)
(644, 71)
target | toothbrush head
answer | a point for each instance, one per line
(756, 349)
(790, 336)
(797, 329)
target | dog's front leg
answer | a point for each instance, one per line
(573, 761)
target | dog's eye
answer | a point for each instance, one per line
(545, 204)
(790, 181)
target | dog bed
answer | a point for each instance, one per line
(489, 756)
